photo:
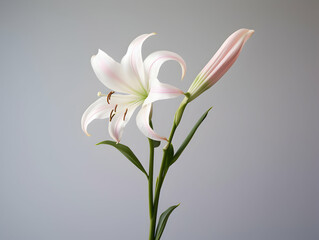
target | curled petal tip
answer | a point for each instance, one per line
(183, 65)
(86, 132)
(99, 52)
(250, 32)
(183, 75)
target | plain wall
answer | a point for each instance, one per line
(251, 171)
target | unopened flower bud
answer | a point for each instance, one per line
(220, 62)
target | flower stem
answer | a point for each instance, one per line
(150, 190)
(161, 175)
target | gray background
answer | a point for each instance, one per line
(251, 171)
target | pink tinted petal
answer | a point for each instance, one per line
(224, 48)
(220, 63)
(142, 121)
(161, 91)
(132, 61)
(110, 73)
(97, 110)
(155, 60)
(118, 122)
(227, 55)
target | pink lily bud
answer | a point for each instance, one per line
(220, 63)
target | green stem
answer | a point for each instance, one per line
(161, 175)
(150, 189)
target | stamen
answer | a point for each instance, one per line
(111, 117)
(125, 114)
(108, 98)
(115, 108)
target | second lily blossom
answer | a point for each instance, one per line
(220, 63)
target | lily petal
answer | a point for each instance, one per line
(161, 91)
(155, 60)
(97, 110)
(143, 123)
(220, 63)
(226, 54)
(124, 100)
(132, 62)
(120, 119)
(110, 73)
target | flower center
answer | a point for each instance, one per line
(113, 111)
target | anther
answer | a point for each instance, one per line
(108, 98)
(125, 114)
(115, 108)
(111, 117)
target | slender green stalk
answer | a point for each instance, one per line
(150, 189)
(161, 175)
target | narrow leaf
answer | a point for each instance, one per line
(169, 155)
(127, 152)
(156, 143)
(189, 137)
(162, 221)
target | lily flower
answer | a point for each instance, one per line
(133, 83)
(220, 63)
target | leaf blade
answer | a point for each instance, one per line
(162, 221)
(156, 143)
(127, 152)
(169, 156)
(189, 136)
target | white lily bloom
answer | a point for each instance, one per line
(137, 83)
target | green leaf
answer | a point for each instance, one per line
(127, 152)
(189, 137)
(168, 157)
(156, 143)
(162, 222)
